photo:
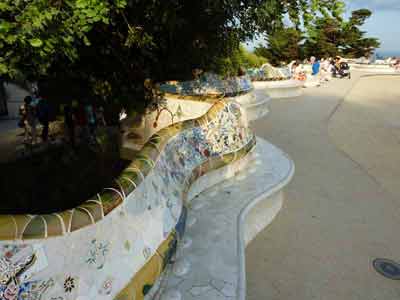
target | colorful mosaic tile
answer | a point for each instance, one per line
(210, 85)
(269, 73)
(142, 216)
(97, 254)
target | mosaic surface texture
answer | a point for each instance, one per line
(269, 73)
(117, 244)
(209, 85)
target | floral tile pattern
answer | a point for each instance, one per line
(97, 254)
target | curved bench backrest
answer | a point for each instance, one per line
(118, 243)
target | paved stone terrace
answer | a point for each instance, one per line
(342, 209)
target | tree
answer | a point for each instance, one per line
(272, 14)
(324, 38)
(331, 35)
(35, 34)
(317, 18)
(105, 49)
(355, 42)
(239, 60)
(307, 28)
(283, 45)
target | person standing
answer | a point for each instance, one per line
(315, 66)
(43, 114)
(326, 72)
(30, 119)
(22, 123)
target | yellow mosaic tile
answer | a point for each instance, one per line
(36, 229)
(54, 225)
(80, 218)
(142, 282)
(8, 228)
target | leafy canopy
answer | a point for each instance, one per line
(35, 34)
(283, 46)
(105, 49)
(319, 30)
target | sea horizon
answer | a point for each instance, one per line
(388, 53)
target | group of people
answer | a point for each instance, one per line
(396, 64)
(34, 111)
(322, 69)
(81, 120)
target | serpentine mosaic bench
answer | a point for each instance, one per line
(275, 82)
(222, 221)
(117, 244)
(280, 89)
(210, 88)
(186, 100)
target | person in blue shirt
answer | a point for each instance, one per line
(315, 65)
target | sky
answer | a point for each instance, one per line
(383, 24)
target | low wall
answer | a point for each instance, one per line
(176, 110)
(191, 99)
(280, 89)
(180, 108)
(116, 245)
(255, 104)
(374, 68)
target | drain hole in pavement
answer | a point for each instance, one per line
(387, 268)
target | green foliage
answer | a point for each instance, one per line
(358, 17)
(324, 38)
(355, 42)
(34, 34)
(237, 62)
(330, 36)
(311, 20)
(270, 15)
(318, 29)
(105, 49)
(283, 45)
(251, 59)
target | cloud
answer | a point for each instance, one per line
(374, 4)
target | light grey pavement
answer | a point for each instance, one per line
(342, 209)
(371, 116)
